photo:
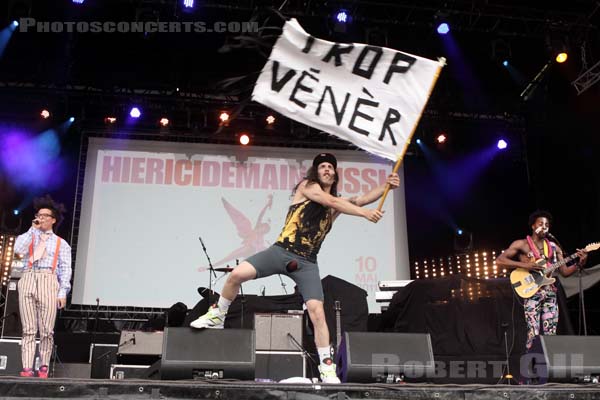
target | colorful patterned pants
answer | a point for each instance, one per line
(541, 309)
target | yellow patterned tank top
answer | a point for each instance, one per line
(306, 226)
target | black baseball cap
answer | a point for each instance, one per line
(325, 157)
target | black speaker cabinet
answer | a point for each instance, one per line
(562, 359)
(122, 371)
(11, 326)
(380, 356)
(208, 353)
(102, 356)
(278, 365)
(10, 357)
(273, 331)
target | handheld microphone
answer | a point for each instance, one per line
(36, 221)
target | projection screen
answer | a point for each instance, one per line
(145, 204)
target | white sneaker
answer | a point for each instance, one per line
(213, 319)
(328, 371)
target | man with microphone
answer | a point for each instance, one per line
(541, 310)
(45, 283)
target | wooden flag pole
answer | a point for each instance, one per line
(442, 61)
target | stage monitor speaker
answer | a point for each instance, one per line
(208, 353)
(562, 359)
(141, 348)
(385, 357)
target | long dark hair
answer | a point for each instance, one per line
(315, 211)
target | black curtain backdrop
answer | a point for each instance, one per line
(464, 316)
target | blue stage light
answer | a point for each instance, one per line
(72, 119)
(342, 16)
(188, 3)
(418, 141)
(443, 28)
(15, 24)
(78, 1)
(16, 212)
(135, 112)
(459, 232)
(502, 144)
(505, 63)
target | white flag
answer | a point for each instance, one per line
(368, 95)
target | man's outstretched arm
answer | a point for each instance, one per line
(375, 194)
(316, 194)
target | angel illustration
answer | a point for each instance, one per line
(253, 238)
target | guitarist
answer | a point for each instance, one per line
(541, 310)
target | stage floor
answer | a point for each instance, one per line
(19, 388)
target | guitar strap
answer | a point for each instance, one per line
(548, 250)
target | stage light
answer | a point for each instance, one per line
(441, 138)
(342, 16)
(244, 139)
(270, 120)
(45, 114)
(443, 28)
(418, 141)
(72, 119)
(15, 24)
(188, 3)
(135, 112)
(78, 1)
(561, 57)
(224, 117)
(15, 212)
(110, 120)
(164, 122)
(502, 144)
(459, 232)
(505, 63)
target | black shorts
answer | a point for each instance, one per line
(275, 260)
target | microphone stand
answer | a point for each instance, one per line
(283, 285)
(508, 377)
(243, 298)
(582, 317)
(301, 348)
(211, 273)
(95, 331)
(96, 316)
